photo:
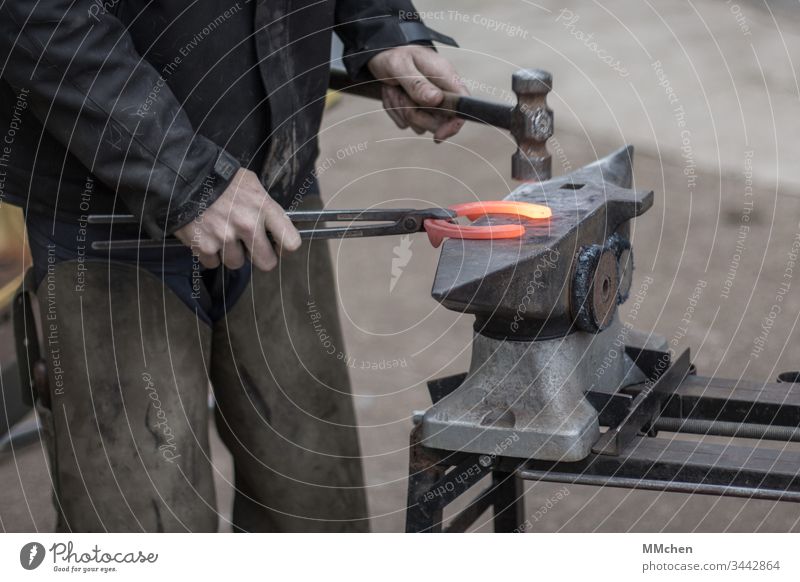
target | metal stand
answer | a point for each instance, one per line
(629, 454)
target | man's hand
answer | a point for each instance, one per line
(239, 219)
(420, 73)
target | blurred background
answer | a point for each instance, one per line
(706, 90)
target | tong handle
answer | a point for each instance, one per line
(360, 215)
(391, 221)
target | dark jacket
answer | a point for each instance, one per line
(150, 106)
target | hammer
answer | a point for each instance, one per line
(530, 121)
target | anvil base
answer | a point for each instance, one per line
(526, 399)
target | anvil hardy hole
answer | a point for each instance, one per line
(572, 186)
(789, 377)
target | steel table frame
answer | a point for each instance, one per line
(695, 405)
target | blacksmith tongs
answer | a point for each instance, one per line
(392, 221)
(439, 223)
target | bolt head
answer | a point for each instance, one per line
(411, 224)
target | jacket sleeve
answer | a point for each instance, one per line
(367, 27)
(94, 93)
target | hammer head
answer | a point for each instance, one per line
(531, 125)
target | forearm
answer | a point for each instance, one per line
(87, 85)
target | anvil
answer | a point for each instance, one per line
(545, 316)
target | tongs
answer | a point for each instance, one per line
(437, 222)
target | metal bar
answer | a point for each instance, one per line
(330, 215)
(509, 503)
(135, 243)
(664, 486)
(612, 407)
(424, 471)
(328, 233)
(644, 408)
(504, 495)
(112, 219)
(731, 429)
(470, 514)
(651, 362)
(358, 231)
(741, 401)
(684, 467)
(452, 485)
(372, 215)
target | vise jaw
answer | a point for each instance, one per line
(545, 317)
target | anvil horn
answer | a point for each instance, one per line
(616, 168)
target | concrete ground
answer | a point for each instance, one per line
(708, 94)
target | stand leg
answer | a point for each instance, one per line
(509, 503)
(423, 474)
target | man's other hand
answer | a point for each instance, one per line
(236, 225)
(414, 76)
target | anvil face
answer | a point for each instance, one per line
(529, 279)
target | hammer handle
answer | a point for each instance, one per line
(469, 108)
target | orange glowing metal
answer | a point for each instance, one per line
(438, 230)
(474, 210)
